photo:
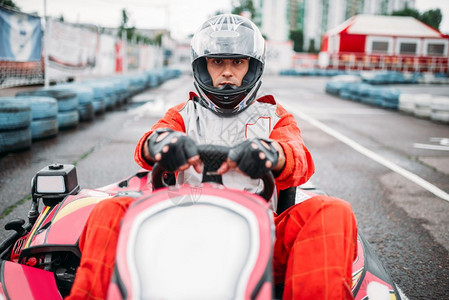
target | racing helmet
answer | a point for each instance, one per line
(227, 36)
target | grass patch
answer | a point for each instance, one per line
(10, 208)
(84, 156)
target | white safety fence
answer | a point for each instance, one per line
(30, 54)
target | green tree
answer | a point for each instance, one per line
(158, 39)
(312, 48)
(9, 4)
(124, 24)
(297, 37)
(124, 27)
(132, 33)
(432, 18)
(239, 6)
(407, 12)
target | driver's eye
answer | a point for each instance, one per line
(218, 61)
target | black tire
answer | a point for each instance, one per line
(15, 140)
(68, 104)
(86, 112)
(109, 102)
(68, 119)
(85, 94)
(67, 100)
(44, 128)
(14, 114)
(41, 107)
(99, 107)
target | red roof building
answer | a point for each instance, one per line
(367, 42)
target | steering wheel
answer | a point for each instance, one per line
(212, 157)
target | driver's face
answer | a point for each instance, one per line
(227, 71)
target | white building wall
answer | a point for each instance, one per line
(370, 7)
(336, 14)
(274, 20)
(312, 23)
(373, 7)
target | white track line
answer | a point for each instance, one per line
(431, 147)
(392, 166)
(401, 294)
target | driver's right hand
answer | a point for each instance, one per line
(173, 150)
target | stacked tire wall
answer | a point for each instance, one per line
(435, 108)
(40, 114)
(44, 112)
(15, 121)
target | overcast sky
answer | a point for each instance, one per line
(181, 16)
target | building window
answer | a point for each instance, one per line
(435, 49)
(379, 47)
(407, 48)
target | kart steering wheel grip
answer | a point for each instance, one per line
(212, 157)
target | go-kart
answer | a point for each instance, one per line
(157, 257)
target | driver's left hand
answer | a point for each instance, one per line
(255, 158)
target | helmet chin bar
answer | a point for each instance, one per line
(239, 107)
(228, 87)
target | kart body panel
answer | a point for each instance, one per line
(206, 241)
(23, 282)
(58, 228)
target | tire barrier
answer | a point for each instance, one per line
(14, 114)
(373, 97)
(41, 113)
(68, 119)
(99, 107)
(44, 111)
(15, 140)
(420, 105)
(375, 77)
(41, 107)
(407, 102)
(313, 72)
(98, 101)
(120, 89)
(68, 116)
(85, 94)
(44, 128)
(86, 112)
(102, 91)
(67, 104)
(390, 77)
(389, 98)
(67, 100)
(334, 87)
(85, 98)
(439, 109)
(15, 121)
(363, 91)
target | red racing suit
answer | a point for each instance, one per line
(316, 239)
(263, 119)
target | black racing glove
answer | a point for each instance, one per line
(247, 156)
(178, 152)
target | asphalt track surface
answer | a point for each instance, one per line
(405, 222)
